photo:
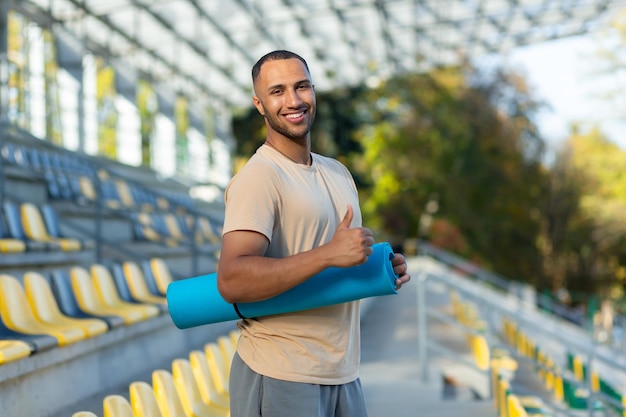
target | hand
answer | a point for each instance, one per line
(350, 246)
(400, 268)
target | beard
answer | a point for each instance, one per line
(291, 132)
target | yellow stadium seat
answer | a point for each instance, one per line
(161, 273)
(88, 191)
(11, 350)
(138, 286)
(189, 393)
(126, 196)
(18, 315)
(173, 228)
(35, 229)
(166, 395)
(480, 351)
(227, 348)
(204, 380)
(116, 406)
(107, 293)
(46, 309)
(234, 337)
(149, 232)
(204, 225)
(143, 400)
(89, 301)
(218, 368)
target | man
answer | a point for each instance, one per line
(290, 214)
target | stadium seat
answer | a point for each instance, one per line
(51, 221)
(16, 230)
(37, 342)
(205, 227)
(11, 350)
(35, 229)
(205, 381)
(89, 193)
(161, 273)
(116, 406)
(149, 276)
(127, 197)
(234, 337)
(218, 368)
(227, 348)
(64, 294)
(46, 309)
(107, 293)
(18, 315)
(7, 243)
(172, 226)
(144, 229)
(143, 400)
(84, 414)
(90, 301)
(137, 286)
(189, 393)
(166, 394)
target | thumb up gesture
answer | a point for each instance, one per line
(350, 246)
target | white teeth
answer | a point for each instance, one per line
(294, 116)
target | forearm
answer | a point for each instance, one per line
(249, 278)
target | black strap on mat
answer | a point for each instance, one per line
(238, 312)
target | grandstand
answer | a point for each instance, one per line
(85, 327)
(114, 150)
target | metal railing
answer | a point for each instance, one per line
(585, 391)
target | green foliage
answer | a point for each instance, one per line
(469, 147)
(586, 226)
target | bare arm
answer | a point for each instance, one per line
(245, 274)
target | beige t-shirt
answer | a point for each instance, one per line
(298, 208)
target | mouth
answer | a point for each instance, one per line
(295, 117)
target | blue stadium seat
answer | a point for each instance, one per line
(120, 283)
(52, 224)
(62, 290)
(7, 243)
(16, 230)
(150, 280)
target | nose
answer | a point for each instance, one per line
(292, 98)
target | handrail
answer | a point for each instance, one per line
(497, 281)
(557, 335)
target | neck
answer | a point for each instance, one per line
(294, 151)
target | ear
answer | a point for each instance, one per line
(259, 106)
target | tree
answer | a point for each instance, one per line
(466, 142)
(586, 228)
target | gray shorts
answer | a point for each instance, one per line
(255, 395)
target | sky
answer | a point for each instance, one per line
(564, 74)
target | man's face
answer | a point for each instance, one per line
(284, 95)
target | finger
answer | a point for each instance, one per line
(347, 219)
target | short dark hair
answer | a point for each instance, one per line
(275, 56)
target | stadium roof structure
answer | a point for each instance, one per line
(205, 49)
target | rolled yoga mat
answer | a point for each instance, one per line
(196, 301)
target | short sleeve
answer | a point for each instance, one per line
(252, 200)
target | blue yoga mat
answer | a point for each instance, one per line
(196, 301)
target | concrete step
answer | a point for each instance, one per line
(394, 389)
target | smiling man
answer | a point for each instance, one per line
(290, 214)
